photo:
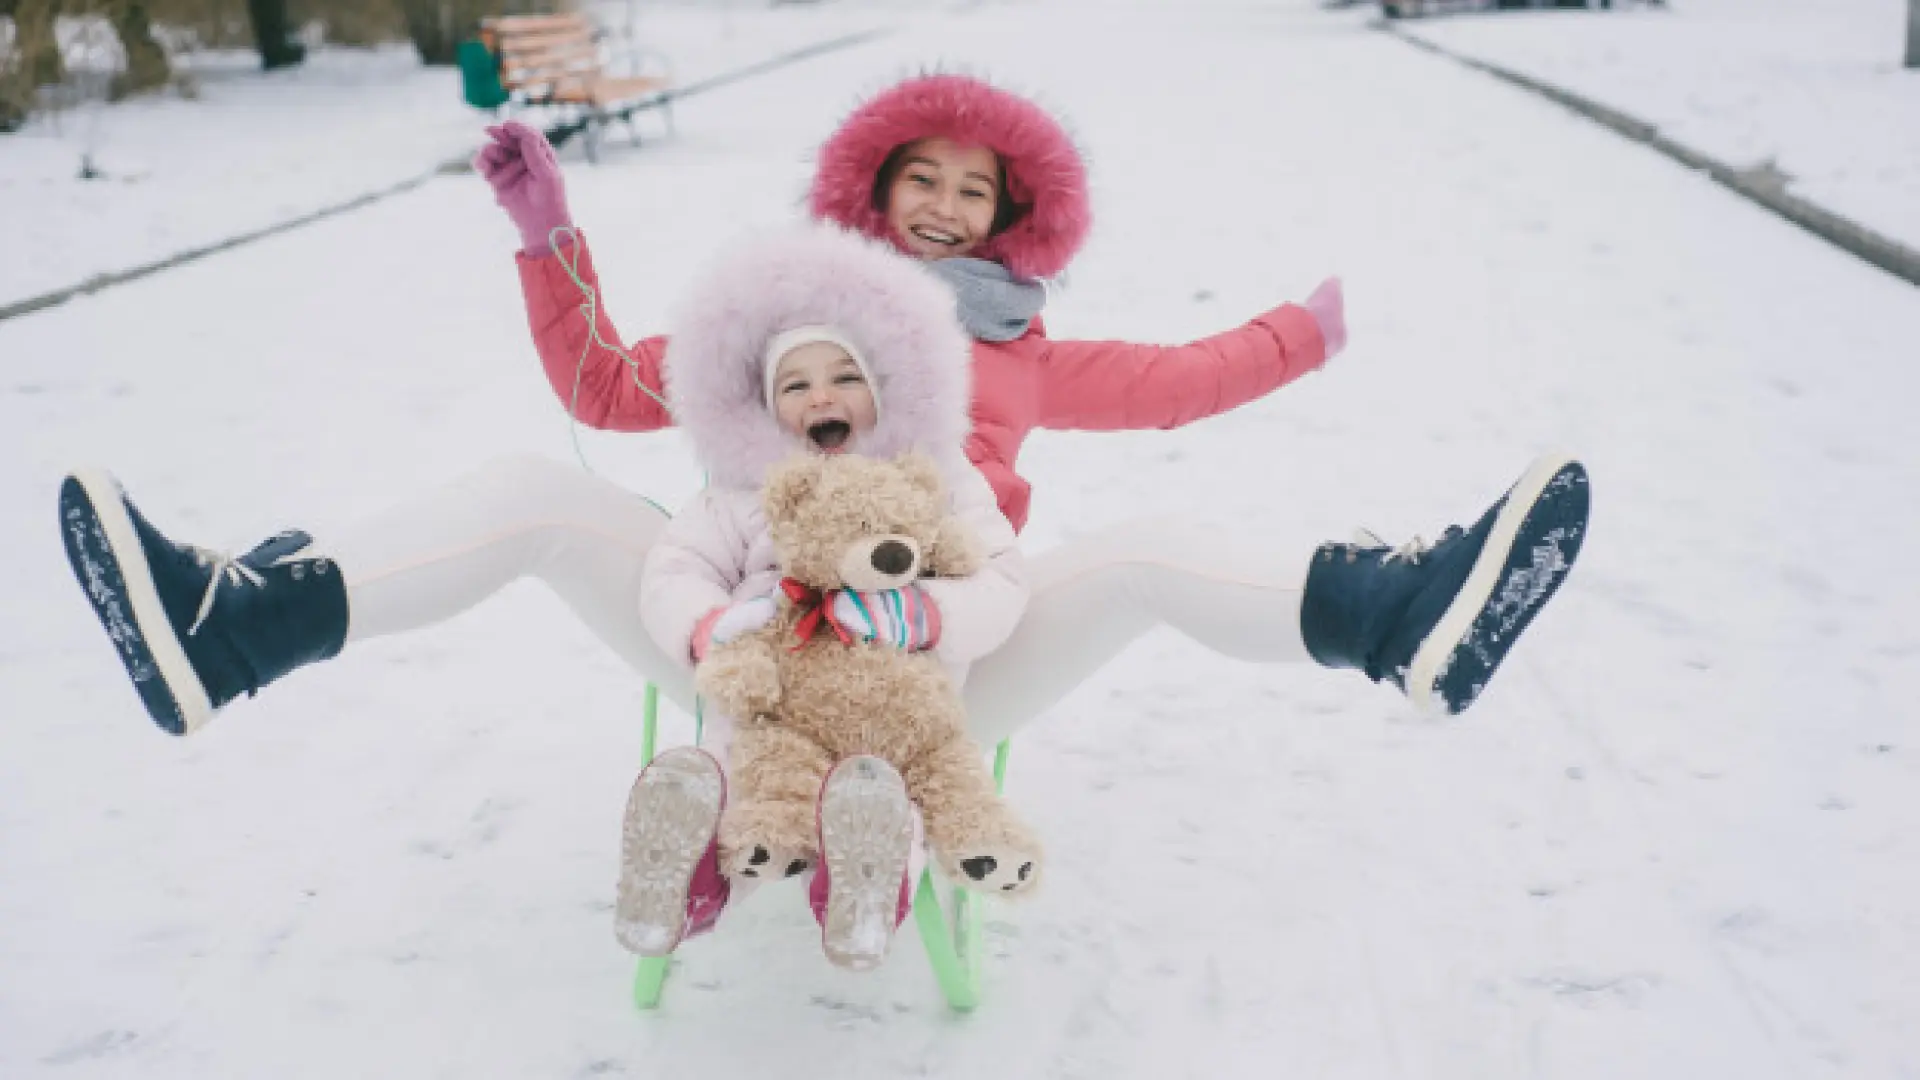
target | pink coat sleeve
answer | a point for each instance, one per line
(978, 613)
(608, 396)
(1116, 385)
(692, 569)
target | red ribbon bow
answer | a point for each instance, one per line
(815, 607)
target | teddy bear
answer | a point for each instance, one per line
(805, 696)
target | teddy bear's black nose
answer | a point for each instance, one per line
(892, 558)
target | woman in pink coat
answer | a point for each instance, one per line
(988, 192)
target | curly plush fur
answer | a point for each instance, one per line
(803, 708)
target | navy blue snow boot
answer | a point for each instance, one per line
(196, 629)
(1438, 620)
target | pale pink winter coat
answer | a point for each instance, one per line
(1030, 382)
(719, 550)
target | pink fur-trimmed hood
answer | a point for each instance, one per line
(1044, 171)
(899, 316)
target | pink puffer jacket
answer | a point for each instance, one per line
(1030, 382)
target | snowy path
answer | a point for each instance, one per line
(1745, 81)
(1674, 841)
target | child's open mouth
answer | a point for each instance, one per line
(830, 435)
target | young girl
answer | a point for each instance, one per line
(985, 187)
(814, 342)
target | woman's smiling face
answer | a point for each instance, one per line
(942, 201)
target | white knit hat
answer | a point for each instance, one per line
(789, 340)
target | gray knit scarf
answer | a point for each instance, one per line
(994, 305)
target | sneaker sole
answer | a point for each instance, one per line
(866, 837)
(1531, 547)
(673, 813)
(104, 550)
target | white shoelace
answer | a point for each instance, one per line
(225, 568)
(1410, 551)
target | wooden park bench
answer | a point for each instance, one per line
(553, 62)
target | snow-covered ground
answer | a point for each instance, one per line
(1815, 88)
(1674, 840)
(255, 149)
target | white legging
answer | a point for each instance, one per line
(426, 560)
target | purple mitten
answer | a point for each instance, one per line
(525, 177)
(1329, 308)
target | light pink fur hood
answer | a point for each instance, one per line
(900, 317)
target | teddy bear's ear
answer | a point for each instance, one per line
(920, 471)
(788, 484)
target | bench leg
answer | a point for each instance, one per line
(591, 128)
(559, 132)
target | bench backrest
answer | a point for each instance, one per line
(552, 56)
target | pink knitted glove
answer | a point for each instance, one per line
(1328, 307)
(525, 177)
(906, 618)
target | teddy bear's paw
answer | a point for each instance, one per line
(1007, 868)
(743, 683)
(957, 551)
(765, 861)
(736, 701)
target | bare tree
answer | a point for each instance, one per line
(35, 55)
(147, 66)
(31, 61)
(1913, 33)
(437, 26)
(273, 34)
(352, 22)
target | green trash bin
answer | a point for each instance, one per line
(480, 75)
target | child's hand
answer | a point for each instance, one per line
(723, 624)
(525, 177)
(1328, 306)
(906, 618)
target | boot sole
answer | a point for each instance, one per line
(673, 813)
(1531, 547)
(104, 550)
(866, 838)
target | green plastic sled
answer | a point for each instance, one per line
(952, 934)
